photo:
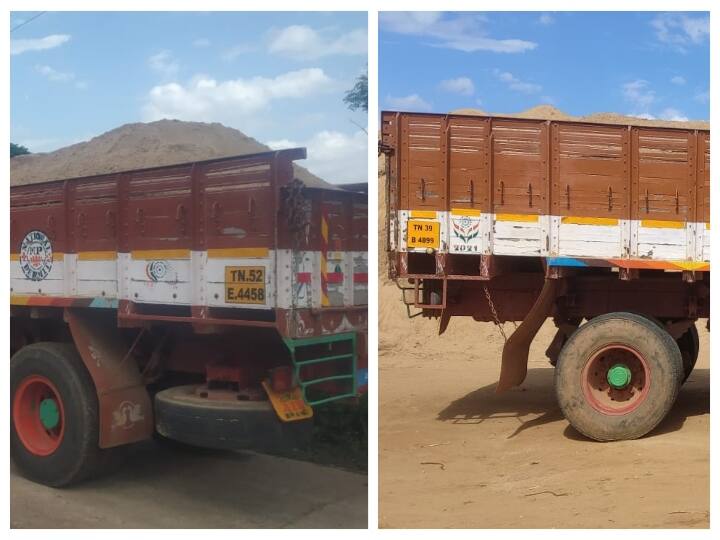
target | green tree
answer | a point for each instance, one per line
(17, 150)
(357, 97)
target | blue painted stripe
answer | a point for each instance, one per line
(565, 261)
(362, 377)
(100, 302)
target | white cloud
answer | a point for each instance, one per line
(461, 85)
(465, 33)
(54, 75)
(679, 30)
(672, 114)
(413, 102)
(300, 41)
(644, 116)
(201, 42)
(677, 79)
(333, 155)
(638, 93)
(164, 63)
(516, 84)
(238, 50)
(546, 19)
(206, 99)
(19, 46)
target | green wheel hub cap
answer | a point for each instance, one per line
(619, 376)
(49, 413)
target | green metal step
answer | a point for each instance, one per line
(298, 346)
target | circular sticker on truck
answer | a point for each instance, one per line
(36, 256)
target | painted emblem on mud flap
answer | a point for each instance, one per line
(127, 415)
(157, 270)
(36, 255)
(466, 229)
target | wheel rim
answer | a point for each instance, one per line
(616, 380)
(38, 415)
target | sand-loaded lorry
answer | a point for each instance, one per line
(216, 303)
(603, 228)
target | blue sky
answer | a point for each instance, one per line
(278, 77)
(653, 65)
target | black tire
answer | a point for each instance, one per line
(182, 416)
(78, 456)
(689, 344)
(664, 362)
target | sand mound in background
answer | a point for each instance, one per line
(140, 145)
(548, 112)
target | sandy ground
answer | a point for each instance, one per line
(175, 487)
(455, 454)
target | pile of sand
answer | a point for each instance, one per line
(138, 146)
(548, 112)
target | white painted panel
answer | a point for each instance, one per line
(171, 285)
(466, 233)
(517, 238)
(662, 243)
(97, 278)
(590, 240)
(360, 289)
(54, 282)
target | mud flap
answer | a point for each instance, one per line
(124, 406)
(517, 348)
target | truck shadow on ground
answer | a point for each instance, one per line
(536, 396)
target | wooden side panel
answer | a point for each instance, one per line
(239, 203)
(703, 178)
(665, 174)
(95, 222)
(423, 140)
(518, 166)
(469, 158)
(158, 209)
(590, 170)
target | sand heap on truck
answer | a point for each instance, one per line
(138, 146)
(548, 112)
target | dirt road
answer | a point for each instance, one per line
(192, 488)
(455, 454)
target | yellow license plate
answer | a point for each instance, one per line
(289, 406)
(423, 234)
(245, 284)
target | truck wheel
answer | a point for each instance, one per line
(618, 376)
(689, 344)
(54, 415)
(183, 416)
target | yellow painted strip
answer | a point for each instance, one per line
(466, 212)
(428, 214)
(707, 226)
(661, 224)
(97, 255)
(19, 300)
(516, 217)
(238, 253)
(56, 256)
(689, 265)
(161, 254)
(573, 220)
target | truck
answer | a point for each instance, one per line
(605, 228)
(215, 303)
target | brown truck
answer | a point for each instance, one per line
(214, 302)
(507, 219)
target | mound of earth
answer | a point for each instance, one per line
(142, 145)
(548, 112)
